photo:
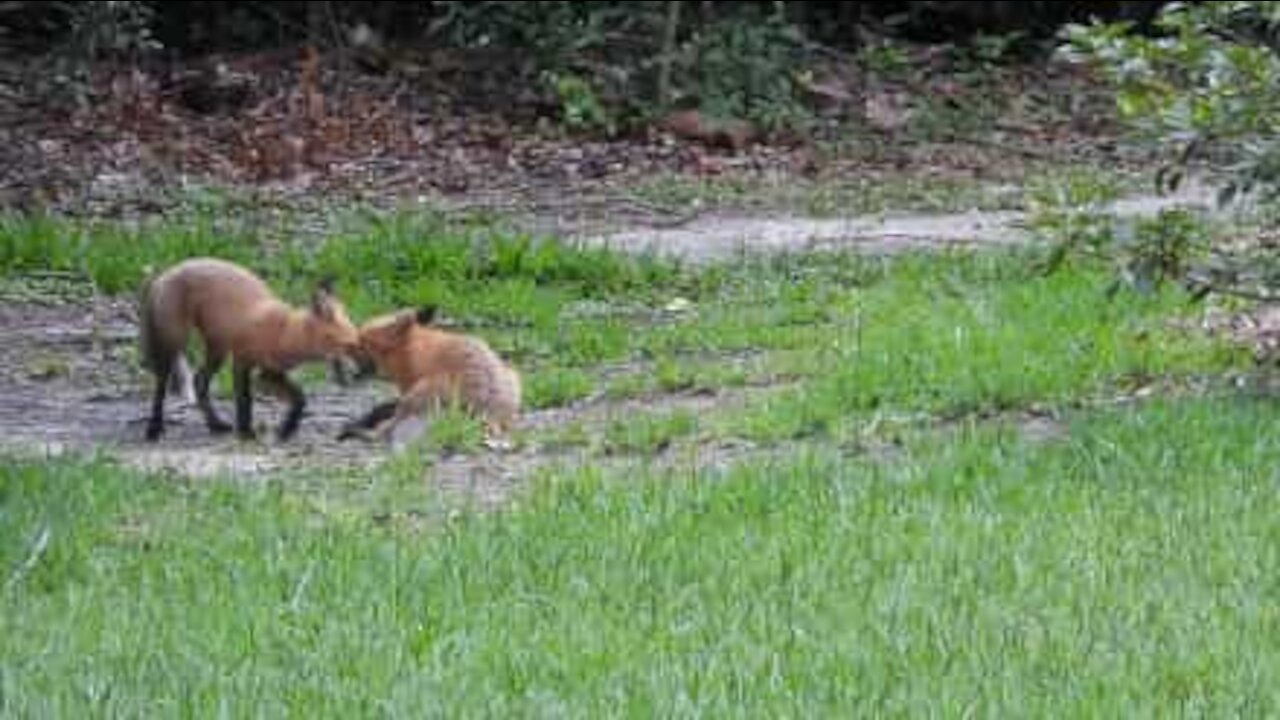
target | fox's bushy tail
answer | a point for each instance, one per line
(148, 354)
(502, 399)
(154, 352)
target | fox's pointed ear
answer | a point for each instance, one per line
(403, 321)
(425, 314)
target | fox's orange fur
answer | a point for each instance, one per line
(431, 368)
(237, 315)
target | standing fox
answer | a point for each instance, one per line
(432, 367)
(236, 314)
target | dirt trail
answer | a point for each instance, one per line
(717, 236)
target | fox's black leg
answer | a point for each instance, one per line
(155, 426)
(242, 380)
(212, 364)
(380, 413)
(286, 390)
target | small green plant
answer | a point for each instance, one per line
(885, 58)
(552, 31)
(673, 375)
(1162, 249)
(648, 433)
(628, 385)
(1071, 214)
(580, 106)
(47, 368)
(451, 429)
(557, 387)
(572, 435)
(990, 49)
(1145, 253)
(1208, 80)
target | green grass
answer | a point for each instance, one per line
(648, 433)
(556, 387)
(674, 374)
(929, 341)
(930, 335)
(116, 257)
(402, 259)
(1129, 571)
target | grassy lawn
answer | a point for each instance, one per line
(1127, 566)
(1131, 570)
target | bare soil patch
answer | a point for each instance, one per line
(70, 382)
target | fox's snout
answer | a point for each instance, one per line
(359, 357)
(350, 344)
(347, 359)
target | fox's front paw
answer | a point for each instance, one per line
(154, 431)
(355, 432)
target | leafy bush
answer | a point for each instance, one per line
(1205, 84)
(549, 30)
(118, 31)
(600, 62)
(745, 67)
(1209, 80)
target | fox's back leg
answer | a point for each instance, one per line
(381, 422)
(367, 425)
(214, 357)
(171, 375)
(163, 336)
(164, 350)
(163, 367)
(242, 381)
(279, 384)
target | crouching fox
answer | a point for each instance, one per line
(237, 315)
(432, 368)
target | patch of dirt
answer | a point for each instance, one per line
(719, 236)
(71, 384)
